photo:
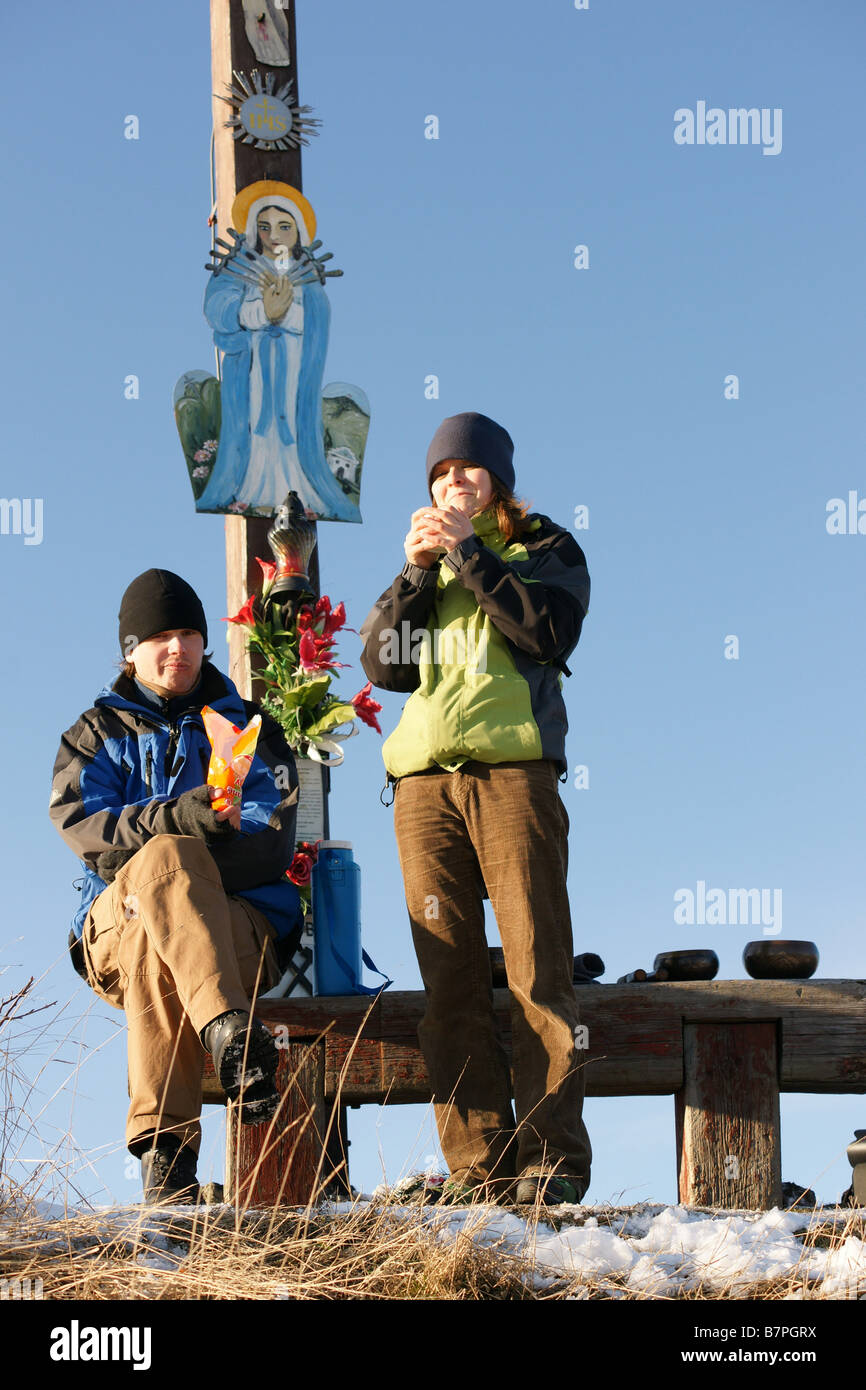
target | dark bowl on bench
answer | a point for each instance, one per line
(700, 964)
(780, 960)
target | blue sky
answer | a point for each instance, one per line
(707, 515)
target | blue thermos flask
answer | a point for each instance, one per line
(337, 920)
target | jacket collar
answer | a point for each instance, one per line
(484, 523)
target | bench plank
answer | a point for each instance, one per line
(641, 1040)
(634, 1035)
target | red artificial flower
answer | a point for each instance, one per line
(268, 569)
(300, 870)
(323, 620)
(311, 849)
(334, 620)
(314, 653)
(367, 709)
(245, 616)
(307, 654)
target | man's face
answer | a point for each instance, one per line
(466, 486)
(170, 662)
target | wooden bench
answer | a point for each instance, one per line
(724, 1049)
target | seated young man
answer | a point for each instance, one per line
(185, 912)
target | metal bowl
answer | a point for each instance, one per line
(688, 965)
(780, 960)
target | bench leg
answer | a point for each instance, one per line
(281, 1163)
(337, 1153)
(727, 1116)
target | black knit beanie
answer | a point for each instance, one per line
(475, 439)
(158, 601)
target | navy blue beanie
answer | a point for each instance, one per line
(475, 439)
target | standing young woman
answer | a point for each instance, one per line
(478, 626)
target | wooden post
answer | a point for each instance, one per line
(727, 1116)
(236, 166)
(282, 1163)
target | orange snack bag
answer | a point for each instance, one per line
(232, 752)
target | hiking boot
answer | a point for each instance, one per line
(245, 1061)
(550, 1192)
(456, 1193)
(425, 1188)
(460, 1192)
(168, 1172)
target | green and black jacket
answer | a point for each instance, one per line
(481, 641)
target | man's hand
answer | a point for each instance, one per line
(192, 814)
(111, 861)
(232, 814)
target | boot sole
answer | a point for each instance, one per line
(251, 1082)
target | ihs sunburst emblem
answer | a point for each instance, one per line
(267, 118)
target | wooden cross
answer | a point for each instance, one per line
(237, 165)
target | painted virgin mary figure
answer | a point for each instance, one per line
(273, 334)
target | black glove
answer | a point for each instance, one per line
(111, 861)
(193, 814)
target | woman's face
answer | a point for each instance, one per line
(276, 228)
(466, 486)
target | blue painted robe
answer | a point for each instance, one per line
(266, 349)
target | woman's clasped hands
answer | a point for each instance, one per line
(433, 532)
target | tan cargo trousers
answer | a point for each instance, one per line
(503, 827)
(166, 944)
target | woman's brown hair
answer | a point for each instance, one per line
(511, 513)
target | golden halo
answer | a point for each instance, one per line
(263, 189)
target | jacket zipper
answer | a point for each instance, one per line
(148, 771)
(173, 736)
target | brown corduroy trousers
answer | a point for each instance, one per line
(166, 944)
(503, 827)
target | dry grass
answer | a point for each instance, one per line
(216, 1252)
(381, 1251)
(373, 1251)
(366, 1254)
(16, 1091)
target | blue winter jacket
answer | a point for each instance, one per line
(122, 766)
